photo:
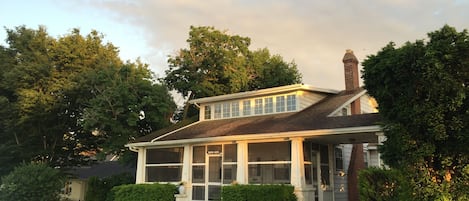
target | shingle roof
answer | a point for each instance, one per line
(102, 169)
(311, 118)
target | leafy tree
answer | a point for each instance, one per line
(31, 182)
(422, 89)
(217, 63)
(63, 99)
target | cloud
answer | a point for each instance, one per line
(314, 34)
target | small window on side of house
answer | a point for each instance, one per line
(235, 109)
(258, 106)
(268, 105)
(246, 107)
(208, 112)
(339, 159)
(217, 111)
(280, 104)
(291, 102)
(226, 110)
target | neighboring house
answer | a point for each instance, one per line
(75, 187)
(296, 134)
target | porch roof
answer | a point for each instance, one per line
(312, 118)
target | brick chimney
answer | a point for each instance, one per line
(351, 78)
(357, 161)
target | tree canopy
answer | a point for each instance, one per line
(62, 99)
(217, 63)
(422, 89)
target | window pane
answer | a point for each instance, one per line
(198, 155)
(229, 173)
(214, 168)
(235, 109)
(165, 155)
(280, 104)
(226, 110)
(271, 151)
(258, 106)
(246, 107)
(269, 105)
(214, 192)
(198, 174)
(324, 152)
(230, 153)
(269, 174)
(308, 175)
(307, 151)
(198, 192)
(217, 111)
(163, 174)
(207, 112)
(291, 103)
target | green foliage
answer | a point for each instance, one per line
(99, 189)
(62, 97)
(217, 63)
(377, 184)
(143, 192)
(31, 182)
(258, 193)
(422, 89)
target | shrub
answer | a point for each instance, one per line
(99, 189)
(258, 193)
(143, 192)
(32, 182)
(377, 184)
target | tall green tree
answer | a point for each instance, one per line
(64, 98)
(422, 89)
(217, 63)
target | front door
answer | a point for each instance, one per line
(214, 177)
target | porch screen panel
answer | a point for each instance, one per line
(269, 163)
(164, 164)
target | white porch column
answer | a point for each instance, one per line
(242, 167)
(140, 174)
(185, 175)
(297, 167)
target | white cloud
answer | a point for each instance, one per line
(313, 33)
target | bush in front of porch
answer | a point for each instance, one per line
(258, 193)
(378, 184)
(143, 192)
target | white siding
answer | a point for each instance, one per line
(307, 99)
(340, 182)
(368, 104)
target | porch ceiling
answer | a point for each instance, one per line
(349, 138)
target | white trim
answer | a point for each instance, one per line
(262, 92)
(321, 132)
(348, 102)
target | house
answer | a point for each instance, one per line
(298, 134)
(77, 185)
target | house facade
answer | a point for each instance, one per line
(298, 135)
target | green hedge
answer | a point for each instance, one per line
(143, 192)
(258, 193)
(383, 185)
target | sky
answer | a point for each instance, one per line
(312, 33)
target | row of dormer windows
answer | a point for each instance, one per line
(249, 107)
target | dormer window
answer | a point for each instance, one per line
(247, 107)
(251, 106)
(291, 102)
(258, 106)
(269, 105)
(208, 112)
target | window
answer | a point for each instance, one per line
(267, 165)
(344, 111)
(207, 112)
(226, 110)
(164, 164)
(258, 106)
(269, 105)
(235, 109)
(339, 159)
(280, 104)
(217, 111)
(246, 108)
(291, 103)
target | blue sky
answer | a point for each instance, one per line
(313, 33)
